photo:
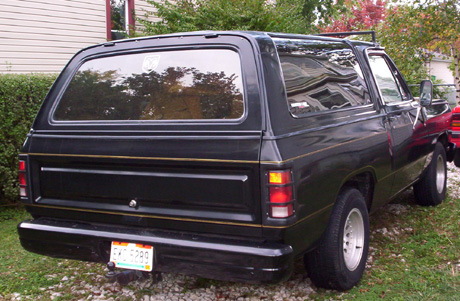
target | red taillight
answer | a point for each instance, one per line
(455, 120)
(280, 194)
(22, 178)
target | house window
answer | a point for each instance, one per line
(120, 19)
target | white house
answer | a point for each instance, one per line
(438, 69)
(42, 35)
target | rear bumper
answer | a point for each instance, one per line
(216, 258)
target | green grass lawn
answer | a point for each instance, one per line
(415, 255)
(417, 259)
(30, 274)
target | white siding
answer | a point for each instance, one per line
(42, 35)
(440, 69)
(143, 10)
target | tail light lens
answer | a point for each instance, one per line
(276, 177)
(281, 201)
(22, 179)
(280, 194)
(455, 120)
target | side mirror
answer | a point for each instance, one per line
(426, 93)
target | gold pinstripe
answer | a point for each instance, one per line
(140, 158)
(178, 218)
(200, 160)
(320, 150)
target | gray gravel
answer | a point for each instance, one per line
(180, 287)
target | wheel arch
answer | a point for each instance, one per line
(449, 147)
(364, 181)
(443, 138)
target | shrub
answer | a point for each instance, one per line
(293, 16)
(20, 98)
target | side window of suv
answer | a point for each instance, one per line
(320, 75)
(388, 80)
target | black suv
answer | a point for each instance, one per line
(226, 155)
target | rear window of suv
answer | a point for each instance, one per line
(320, 76)
(165, 85)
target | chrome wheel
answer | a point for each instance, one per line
(339, 260)
(353, 239)
(440, 174)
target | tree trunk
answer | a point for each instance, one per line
(456, 56)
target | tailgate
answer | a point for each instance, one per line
(126, 185)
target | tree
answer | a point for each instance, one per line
(440, 21)
(406, 31)
(318, 11)
(422, 25)
(293, 16)
(392, 24)
(404, 42)
(359, 15)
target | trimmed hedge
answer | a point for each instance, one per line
(20, 98)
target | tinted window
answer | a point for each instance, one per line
(173, 85)
(388, 84)
(320, 76)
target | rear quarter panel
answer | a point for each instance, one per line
(324, 150)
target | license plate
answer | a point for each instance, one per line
(132, 256)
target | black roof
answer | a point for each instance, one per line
(254, 34)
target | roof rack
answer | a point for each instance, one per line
(350, 33)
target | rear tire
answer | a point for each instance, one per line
(457, 159)
(430, 190)
(340, 258)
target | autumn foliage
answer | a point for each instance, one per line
(361, 14)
